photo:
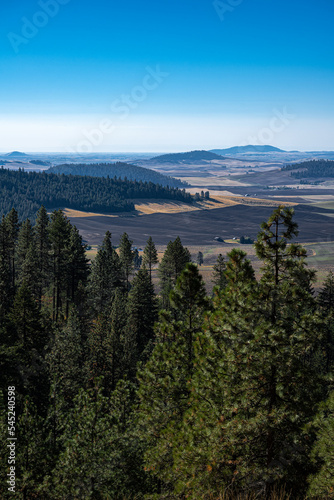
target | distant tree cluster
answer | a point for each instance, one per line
(120, 170)
(246, 240)
(312, 168)
(28, 191)
(202, 196)
(124, 393)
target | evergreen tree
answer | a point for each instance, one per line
(101, 450)
(164, 382)
(126, 257)
(322, 483)
(142, 314)
(6, 289)
(11, 222)
(105, 345)
(77, 267)
(42, 248)
(218, 272)
(59, 233)
(29, 334)
(150, 257)
(26, 261)
(199, 258)
(105, 276)
(326, 303)
(172, 264)
(137, 259)
(256, 382)
(326, 294)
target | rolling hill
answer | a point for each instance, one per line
(189, 157)
(247, 149)
(119, 170)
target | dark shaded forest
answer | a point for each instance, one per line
(312, 168)
(123, 393)
(120, 170)
(27, 191)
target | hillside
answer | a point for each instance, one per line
(247, 149)
(28, 191)
(119, 170)
(315, 169)
(189, 157)
(16, 154)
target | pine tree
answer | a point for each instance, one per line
(26, 261)
(172, 264)
(101, 453)
(59, 233)
(105, 276)
(164, 382)
(126, 257)
(326, 294)
(142, 314)
(42, 246)
(322, 483)
(29, 334)
(326, 304)
(77, 267)
(256, 382)
(218, 272)
(150, 257)
(105, 346)
(11, 223)
(199, 258)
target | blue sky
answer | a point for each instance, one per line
(199, 74)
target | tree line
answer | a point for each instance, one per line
(123, 392)
(312, 168)
(27, 191)
(121, 170)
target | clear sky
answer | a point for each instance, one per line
(172, 75)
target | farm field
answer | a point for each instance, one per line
(320, 256)
(200, 227)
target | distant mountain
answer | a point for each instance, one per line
(119, 170)
(16, 154)
(247, 149)
(190, 157)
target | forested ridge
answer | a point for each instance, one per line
(123, 393)
(312, 168)
(118, 169)
(27, 191)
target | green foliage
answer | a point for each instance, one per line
(150, 257)
(105, 276)
(126, 257)
(322, 483)
(101, 450)
(199, 258)
(210, 398)
(172, 264)
(28, 191)
(142, 314)
(218, 272)
(312, 169)
(118, 170)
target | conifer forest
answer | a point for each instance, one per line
(126, 390)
